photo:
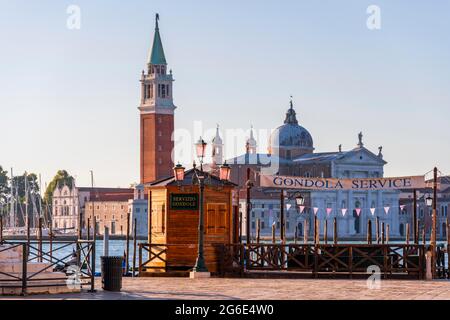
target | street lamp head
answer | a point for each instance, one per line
(429, 201)
(200, 149)
(300, 200)
(178, 172)
(225, 171)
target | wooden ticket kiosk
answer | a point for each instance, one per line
(174, 222)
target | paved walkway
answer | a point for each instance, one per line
(215, 288)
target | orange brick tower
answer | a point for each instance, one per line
(157, 115)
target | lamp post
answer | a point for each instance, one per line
(199, 176)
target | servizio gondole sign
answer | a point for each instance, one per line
(396, 183)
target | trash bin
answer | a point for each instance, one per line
(112, 273)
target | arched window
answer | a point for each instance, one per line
(444, 229)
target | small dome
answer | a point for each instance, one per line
(291, 135)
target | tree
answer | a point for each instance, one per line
(61, 178)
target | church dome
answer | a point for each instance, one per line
(291, 136)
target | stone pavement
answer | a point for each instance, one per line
(283, 289)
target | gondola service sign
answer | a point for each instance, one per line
(289, 182)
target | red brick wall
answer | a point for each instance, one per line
(156, 132)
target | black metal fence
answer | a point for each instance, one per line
(67, 257)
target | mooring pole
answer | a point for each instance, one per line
(127, 266)
(369, 231)
(448, 245)
(1, 229)
(134, 245)
(295, 234)
(415, 222)
(325, 232)
(40, 239)
(50, 236)
(248, 207)
(282, 235)
(382, 233)
(424, 236)
(88, 231)
(335, 231)
(305, 232)
(315, 230)
(273, 233)
(434, 221)
(377, 229)
(407, 233)
(387, 233)
(258, 230)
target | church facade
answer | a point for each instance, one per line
(291, 152)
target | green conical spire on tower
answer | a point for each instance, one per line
(157, 55)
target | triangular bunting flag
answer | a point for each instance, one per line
(372, 211)
(358, 211)
(316, 210)
(386, 209)
(329, 211)
(302, 208)
(402, 207)
(344, 211)
(288, 206)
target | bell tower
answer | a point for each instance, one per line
(156, 115)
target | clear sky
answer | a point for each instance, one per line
(69, 98)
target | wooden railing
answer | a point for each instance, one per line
(348, 259)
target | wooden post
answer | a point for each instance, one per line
(305, 232)
(273, 232)
(149, 217)
(315, 230)
(415, 221)
(448, 245)
(369, 231)
(282, 222)
(240, 226)
(50, 235)
(382, 233)
(296, 234)
(335, 231)
(248, 207)
(40, 239)
(88, 231)
(127, 266)
(434, 223)
(1, 229)
(134, 246)
(325, 232)
(377, 229)
(407, 234)
(258, 230)
(317, 240)
(387, 233)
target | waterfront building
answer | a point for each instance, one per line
(69, 203)
(137, 207)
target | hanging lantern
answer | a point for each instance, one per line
(200, 148)
(225, 172)
(178, 172)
